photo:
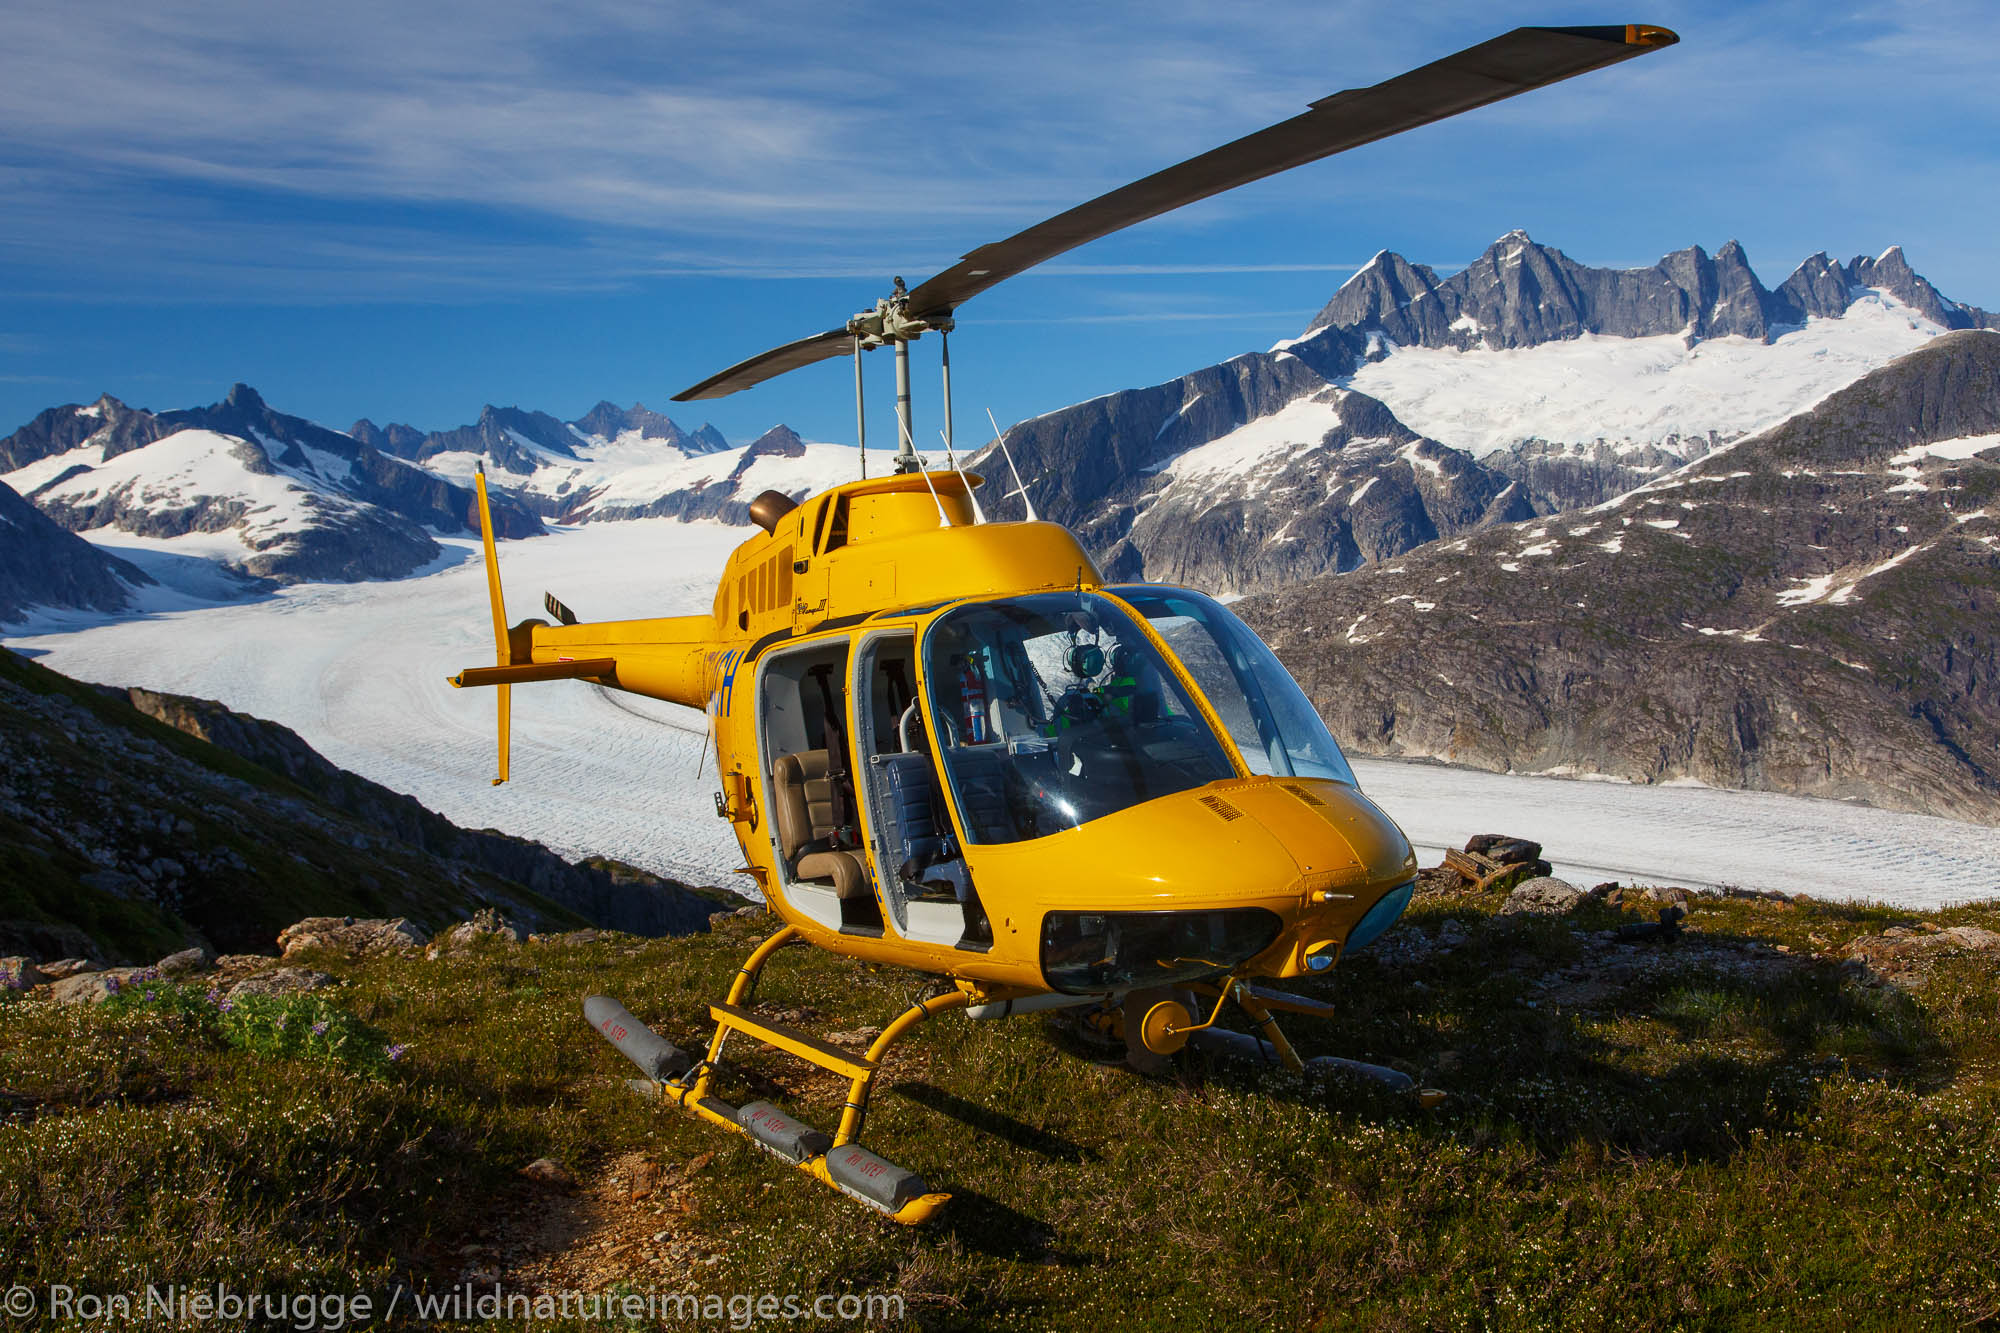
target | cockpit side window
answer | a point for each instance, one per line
(1055, 710)
(1265, 712)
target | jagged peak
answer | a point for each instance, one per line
(243, 396)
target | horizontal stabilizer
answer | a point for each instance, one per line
(588, 668)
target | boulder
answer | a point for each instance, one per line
(95, 987)
(1901, 955)
(487, 924)
(185, 962)
(282, 981)
(351, 936)
(1508, 851)
(20, 974)
(1542, 896)
(233, 967)
(548, 1173)
(69, 967)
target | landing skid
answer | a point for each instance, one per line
(836, 1160)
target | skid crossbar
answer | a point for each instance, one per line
(692, 1091)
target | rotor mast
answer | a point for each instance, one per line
(891, 323)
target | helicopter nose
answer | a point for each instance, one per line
(1288, 843)
(1340, 839)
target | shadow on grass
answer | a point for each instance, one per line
(997, 1123)
(1683, 1049)
(983, 1224)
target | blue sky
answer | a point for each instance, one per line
(406, 211)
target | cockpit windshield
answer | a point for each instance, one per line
(1265, 711)
(1054, 710)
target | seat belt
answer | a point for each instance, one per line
(833, 736)
(899, 685)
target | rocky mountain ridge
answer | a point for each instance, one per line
(1813, 609)
(1521, 294)
(1230, 479)
(41, 564)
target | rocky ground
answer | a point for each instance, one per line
(134, 824)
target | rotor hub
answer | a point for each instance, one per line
(891, 321)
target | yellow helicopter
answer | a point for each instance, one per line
(946, 744)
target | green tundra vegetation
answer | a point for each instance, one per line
(1734, 1129)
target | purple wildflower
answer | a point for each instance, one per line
(228, 1003)
(111, 985)
(151, 995)
(214, 995)
(319, 1028)
(395, 1051)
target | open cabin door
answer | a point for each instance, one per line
(808, 755)
(926, 884)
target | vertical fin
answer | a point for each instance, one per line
(503, 654)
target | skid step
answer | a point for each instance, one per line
(874, 1179)
(793, 1041)
(658, 1059)
(790, 1138)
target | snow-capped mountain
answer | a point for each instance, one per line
(591, 478)
(1414, 407)
(238, 485)
(228, 499)
(614, 463)
(1251, 474)
(1574, 383)
(1813, 608)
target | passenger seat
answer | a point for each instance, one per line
(805, 823)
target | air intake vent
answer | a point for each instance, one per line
(1222, 807)
(1304, 795)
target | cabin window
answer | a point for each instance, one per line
(1055, 710)
(836, 531)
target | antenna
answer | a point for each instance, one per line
(909, 451)
(1000, 438)
(978, 514)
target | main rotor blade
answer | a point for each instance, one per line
(1515, 62)
(767, 365)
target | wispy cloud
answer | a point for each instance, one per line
(460, 148)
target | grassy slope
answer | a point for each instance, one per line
(1691, 1149)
